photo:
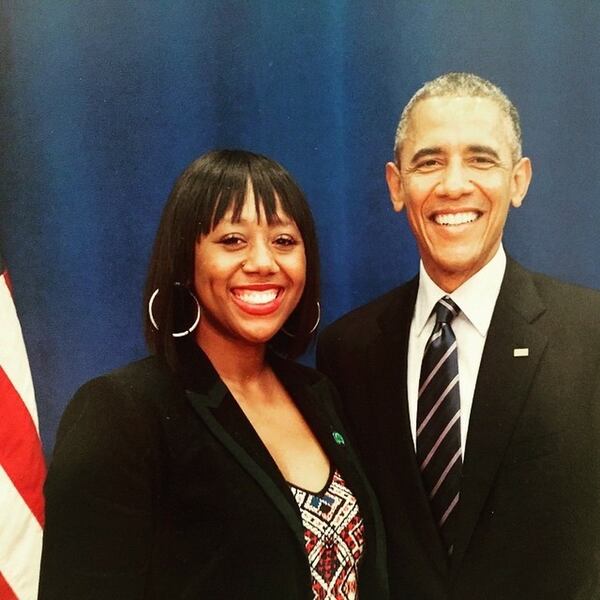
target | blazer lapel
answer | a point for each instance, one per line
(315, 402)
(505, 375)
(312, 401)
(271, 489)
(212, 402)
(390, 354)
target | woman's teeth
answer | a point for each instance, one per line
(256, 297)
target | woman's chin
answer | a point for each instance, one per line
(259, 335)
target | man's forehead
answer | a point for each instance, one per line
(439, 108)
(458, 116)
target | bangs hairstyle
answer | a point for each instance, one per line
(202, 195)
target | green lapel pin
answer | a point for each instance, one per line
(338, 438)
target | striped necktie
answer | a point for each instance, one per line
(438, 422)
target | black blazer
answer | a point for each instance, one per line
(529, 514)
(159, 487)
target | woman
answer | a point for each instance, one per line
(216, 468)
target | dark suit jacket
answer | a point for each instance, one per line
(529, 517)
(160, 488)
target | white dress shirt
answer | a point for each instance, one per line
(476, 299)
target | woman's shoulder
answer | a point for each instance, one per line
(149, 376)
(132, 394)
(149, 369)
(299, 372)
(299, 378)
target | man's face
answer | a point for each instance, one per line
(457, 179)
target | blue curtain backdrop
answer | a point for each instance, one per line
(104, 103)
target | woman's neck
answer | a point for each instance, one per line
(236, 362)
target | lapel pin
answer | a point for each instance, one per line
(521, 352)
(338, 438)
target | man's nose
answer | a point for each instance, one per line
(260, 259)
(455, 181)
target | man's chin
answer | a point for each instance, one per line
(451, 270)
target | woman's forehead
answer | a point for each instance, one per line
(253, 208)
(249, 218)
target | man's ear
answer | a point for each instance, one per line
(394, 182)
(521, 178)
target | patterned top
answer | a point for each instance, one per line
(334, 538)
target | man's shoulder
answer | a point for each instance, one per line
(550, 286)
(569, 298)
(364, 321)
(568, 310)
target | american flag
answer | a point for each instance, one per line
(22, 467)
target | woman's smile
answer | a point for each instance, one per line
(258, 299)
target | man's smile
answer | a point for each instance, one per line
(459, 218)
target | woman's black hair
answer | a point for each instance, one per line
(209, 187)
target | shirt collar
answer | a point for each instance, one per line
(476, 297)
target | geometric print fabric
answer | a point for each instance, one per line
(438, 422)
(334, 539)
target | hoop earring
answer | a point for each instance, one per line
(175, 334)
(312, 329)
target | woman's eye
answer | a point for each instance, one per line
(285, 241)
(231, 241)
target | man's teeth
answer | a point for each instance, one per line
(456, 218)
(256, 297)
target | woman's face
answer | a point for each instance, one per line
(249, 276)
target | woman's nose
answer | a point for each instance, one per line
(260, 259)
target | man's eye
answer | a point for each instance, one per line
(483, 161)
(429, 164)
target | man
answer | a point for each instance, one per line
(472, 390)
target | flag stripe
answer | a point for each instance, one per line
(22, 467)
(13, 356)
(23, 463)
(6, 592)
(20, 542)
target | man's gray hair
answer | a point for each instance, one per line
(461, 85)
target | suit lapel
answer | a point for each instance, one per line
(500, 392)
(388, 357)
